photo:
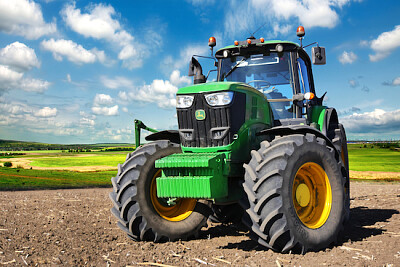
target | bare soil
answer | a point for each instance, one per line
(75, 227)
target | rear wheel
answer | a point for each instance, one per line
(140, 213)
(340, 142)
(295, 194)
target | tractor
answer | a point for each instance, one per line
(256, 143)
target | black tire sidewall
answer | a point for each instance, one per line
(173, 230)
(321, 237)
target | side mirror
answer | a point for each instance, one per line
(318, 55)
(196, 71)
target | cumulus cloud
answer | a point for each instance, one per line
(377, 121)
(99, 22)
(72, 51)
(349, 111)
(182, 61)
(347, 57)
(309, 13)
(102, 99)
(10, 79)
(19, 57)
(395, 82)
(106, 111)
(116, 83)
(176, 79)
(15, 60)
(102, 105)
(385, 44)
(24, 18)
(159, 92)
(46, 112)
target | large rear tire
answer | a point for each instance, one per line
(340, 142)
(295, 194)
(140, 213)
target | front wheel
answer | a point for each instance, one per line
(295, 194)
(140, 213)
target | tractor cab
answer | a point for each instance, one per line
(280, 70)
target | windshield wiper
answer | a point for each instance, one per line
(234, 67)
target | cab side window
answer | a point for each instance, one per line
(303, 76)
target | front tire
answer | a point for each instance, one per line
(140, 213)
(295, 194)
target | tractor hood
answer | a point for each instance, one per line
(216, 87)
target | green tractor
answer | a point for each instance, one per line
(257, 143)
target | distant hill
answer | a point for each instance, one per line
(13, 145)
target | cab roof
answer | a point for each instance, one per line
(257, 43)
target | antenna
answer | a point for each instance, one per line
(259, 28)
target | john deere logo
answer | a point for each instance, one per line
(200, 114)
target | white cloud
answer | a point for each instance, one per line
(117, 82)
(347, 57)
(106, 111)
(10, 79)
(377, 121)
(159, 91)
(24, 18)
(385, 44)
(100, 23)
(182, 62)
(395, 82)
(102, 105)
(72, 51)
(102, 99)
(19, 57)
(309, 13)
(87, 121)
(69, 78)
(46, 112)
(176, 79)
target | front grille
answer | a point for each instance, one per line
(218, 127)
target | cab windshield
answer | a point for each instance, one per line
(271, 75)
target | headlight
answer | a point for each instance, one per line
(219, 99)
(184, 101)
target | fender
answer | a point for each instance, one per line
(298, 129)
(171, 135)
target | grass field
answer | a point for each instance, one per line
(368, 158)
(371, 158)
(25, 179)
(90, 160)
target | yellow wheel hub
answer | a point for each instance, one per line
(312, 195)
(173, 210)
(303, 195)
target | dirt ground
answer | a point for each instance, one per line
(74, 227)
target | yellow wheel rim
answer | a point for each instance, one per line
(312, 195)
(180, 210)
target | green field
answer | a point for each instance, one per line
(362, 157)
(22, 179)
(111, 160)
(372, 158)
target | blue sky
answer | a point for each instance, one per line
(81, 71)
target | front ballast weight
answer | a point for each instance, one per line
(195, 175)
